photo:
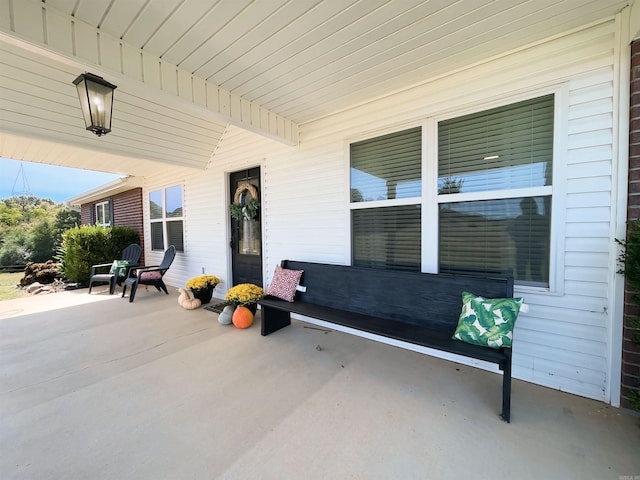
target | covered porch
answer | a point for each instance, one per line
(96, 387)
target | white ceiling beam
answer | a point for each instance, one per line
(37, 27)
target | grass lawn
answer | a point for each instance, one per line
(7, 282)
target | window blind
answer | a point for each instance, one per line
(174, 234)
(505, 148)
(387, 167)
(506, 236)
(157, 236)
(502, 148)
(388, 237)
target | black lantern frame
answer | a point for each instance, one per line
(96, 100)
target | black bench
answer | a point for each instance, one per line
(418, 308)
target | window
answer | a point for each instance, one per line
(166, 218)
(494, 191)
(102, 214)
(386, 185)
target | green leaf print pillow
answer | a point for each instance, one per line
(487, 321)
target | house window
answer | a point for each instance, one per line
(166, 218)
(386, 186)
(493, 201)
(102, 214)
(494, 191)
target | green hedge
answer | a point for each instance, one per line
(85, 246)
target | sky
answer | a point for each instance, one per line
(48, 181)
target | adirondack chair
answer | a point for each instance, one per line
(103, 273)
(149, 275)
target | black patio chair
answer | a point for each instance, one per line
(149, 275)
(103, 273)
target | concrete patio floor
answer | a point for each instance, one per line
(96, 388)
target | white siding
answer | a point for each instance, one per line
(306, 215)
(563, 341)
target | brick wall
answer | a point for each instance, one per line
(127, 212)
(85, 213)
(630, 350)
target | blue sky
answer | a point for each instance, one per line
(48, 181)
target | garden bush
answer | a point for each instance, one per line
(14, 249)
(85, 246)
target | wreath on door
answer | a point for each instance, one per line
(245, 205)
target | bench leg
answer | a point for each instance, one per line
(273, 320)
(506, 388)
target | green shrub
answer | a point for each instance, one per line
(629, 261)
(14, 249)
(634, 399)
(14, 255)
(91, 245)
(40, 241)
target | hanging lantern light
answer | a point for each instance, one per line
(96, 100)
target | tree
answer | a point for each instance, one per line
(10, 216)
(66, 219)
(31, 229)
(41, 241)
(14, 249)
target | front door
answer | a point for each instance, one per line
(246, 239)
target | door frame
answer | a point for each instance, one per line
(228, 224)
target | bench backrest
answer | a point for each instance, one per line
(430, 300)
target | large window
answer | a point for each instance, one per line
(386, 185)
(492, 181)
(494, 191)
(166, 218)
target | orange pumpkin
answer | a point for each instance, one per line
(242, 317)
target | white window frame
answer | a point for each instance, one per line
(102, 222)
(388, 202)
(431, 199)
(164, 219)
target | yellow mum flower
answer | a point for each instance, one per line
(244, 294)
(202, 282)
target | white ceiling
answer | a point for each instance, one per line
(307, 59)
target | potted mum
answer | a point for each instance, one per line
(202, 287)
(245, 294)
(245, 297)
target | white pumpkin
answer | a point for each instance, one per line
(186, 300)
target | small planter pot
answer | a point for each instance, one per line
(204, 294)
(253, 307)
